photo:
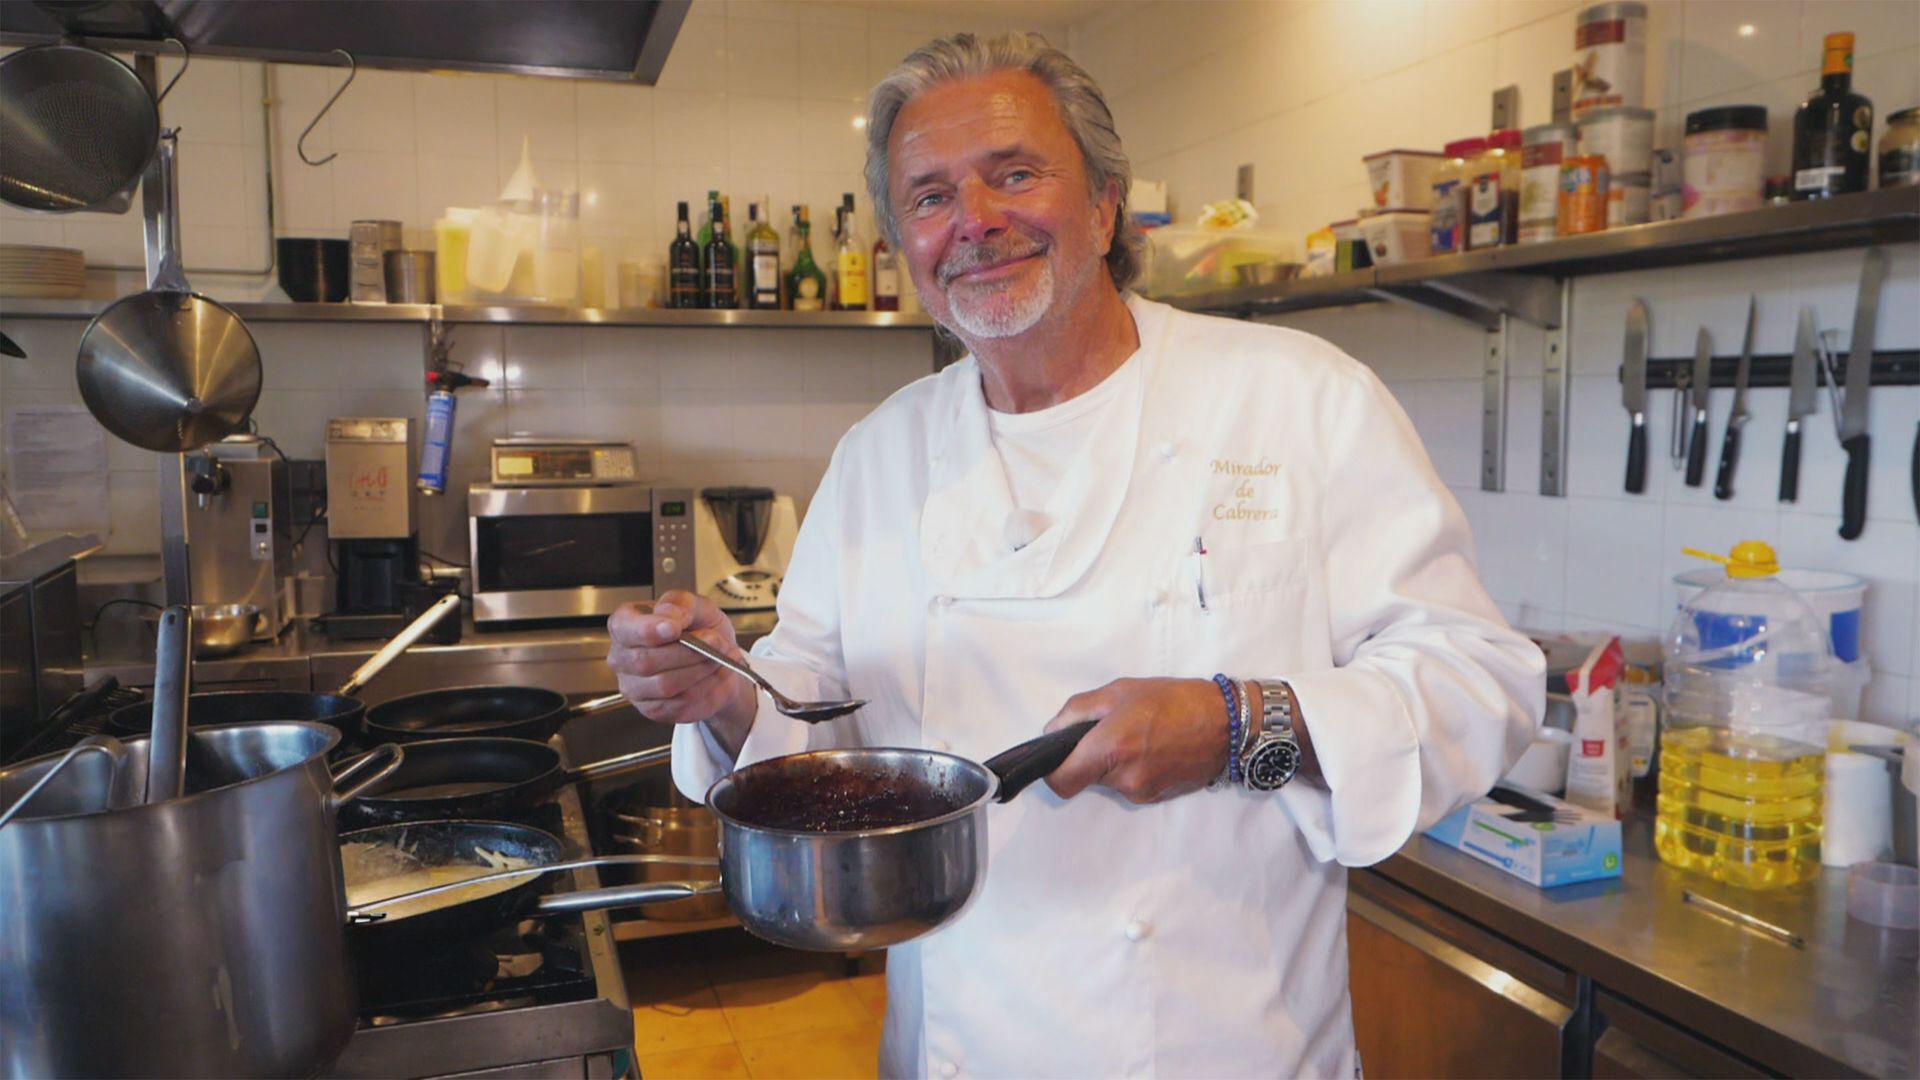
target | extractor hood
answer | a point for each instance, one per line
(614, 40)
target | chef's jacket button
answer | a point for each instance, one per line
(948, 1068)
(1167, 451)
(943, 601)
(1138, 929)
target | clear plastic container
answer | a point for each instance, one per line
(1748, 674)
(1186, 259)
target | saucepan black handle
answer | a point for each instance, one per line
(1035, 758)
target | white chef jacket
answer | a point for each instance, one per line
(1204, 935)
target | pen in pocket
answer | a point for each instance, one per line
(1200, 572)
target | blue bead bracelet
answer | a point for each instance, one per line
(1233, 725)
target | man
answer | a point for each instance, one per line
(1105, 506)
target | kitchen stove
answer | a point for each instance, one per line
(544, 998)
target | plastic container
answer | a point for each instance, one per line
(1884, 894)
(1623, 135)
(1396, 236)
(452, 237)
(1725, 161)
(1448, 225)
(1493, 192)
(1403, 179)
(1609, 57)
(1837, 598)
(1542, 149)
(1742, 759)
(1186, 259)
(556, 250)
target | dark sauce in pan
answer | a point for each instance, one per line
(839, 801)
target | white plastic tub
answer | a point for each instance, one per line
(1396, 236)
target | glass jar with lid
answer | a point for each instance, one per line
(1900, 150)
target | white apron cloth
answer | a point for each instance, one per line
(1206, 935)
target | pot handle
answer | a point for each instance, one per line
(622, 765)
(401, 642)
(382, 759)
(595, 705)
(370, 911)
(105, 744)
(1031, 760)
(615, 896)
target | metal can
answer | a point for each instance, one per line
(1583, 195)
(1543, 149)
(1609, 57)
(1623, 135)
(1629, 199)
(437, 448)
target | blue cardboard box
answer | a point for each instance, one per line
(1534, 837)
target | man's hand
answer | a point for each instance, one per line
(1156, 738)
(670, 683)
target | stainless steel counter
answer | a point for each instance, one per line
(1846, 1004)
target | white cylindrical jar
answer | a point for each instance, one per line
(1609, 57)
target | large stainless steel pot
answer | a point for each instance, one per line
(200, 936)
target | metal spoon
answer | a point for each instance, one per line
(812, 712)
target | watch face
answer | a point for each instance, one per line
(1273, 764)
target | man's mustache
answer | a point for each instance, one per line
(980, 256)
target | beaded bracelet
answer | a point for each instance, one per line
(1233, 726)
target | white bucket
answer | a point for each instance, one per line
(1838, 598)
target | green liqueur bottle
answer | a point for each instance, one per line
(718, 278)
(806, 285)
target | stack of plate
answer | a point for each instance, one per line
(42, 273)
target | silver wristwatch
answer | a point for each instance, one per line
(1274, 755)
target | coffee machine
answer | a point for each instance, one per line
(370, 525)
(743, 537)
(233, 525)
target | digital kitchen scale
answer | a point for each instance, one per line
(537, 461)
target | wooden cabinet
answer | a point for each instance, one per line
(1436, 996)
(1635, 1043)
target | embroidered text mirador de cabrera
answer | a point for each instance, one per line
(1245, 491)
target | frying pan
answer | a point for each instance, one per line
(340, 710)
(837, 882)
(479, 778)
(451, 911)
(510, 712)
(168, 370)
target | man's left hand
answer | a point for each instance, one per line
(1156, 738)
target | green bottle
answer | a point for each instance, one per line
(806, 285)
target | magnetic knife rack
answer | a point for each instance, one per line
(1900, 367)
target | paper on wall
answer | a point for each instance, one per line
(57, 467)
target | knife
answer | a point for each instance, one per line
(1799, 403)
(1633, 395)
(1737, 417)
(1702, 393)
(1853, 408)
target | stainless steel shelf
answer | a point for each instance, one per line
(1872, 217)
(517, 316)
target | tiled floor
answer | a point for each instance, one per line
(721, 1005)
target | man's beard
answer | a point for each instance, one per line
(996, 311)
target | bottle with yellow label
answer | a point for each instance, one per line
(850, 262)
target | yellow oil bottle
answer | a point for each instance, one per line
(1742, 759)
(1741, 808)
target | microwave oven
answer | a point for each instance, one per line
(575, 551)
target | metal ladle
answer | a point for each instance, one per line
(812, 712)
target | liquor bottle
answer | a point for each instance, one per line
(886, 277)
(806, 285)
(763, 261)
(705, 236)
(719, 262)
(1833, 130)
(850, 262)
(683, 266)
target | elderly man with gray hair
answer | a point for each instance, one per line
(1222, 543)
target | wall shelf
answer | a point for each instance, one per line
(1871, 217)
(467, 314)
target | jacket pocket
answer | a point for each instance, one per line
(1228, 576)
(1246, 610)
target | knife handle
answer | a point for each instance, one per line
(1790, 464)
(1853, 496)
(1697, 449)
(1637, 455)
(1914, 475)
(1729, 460)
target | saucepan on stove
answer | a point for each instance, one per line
(832, 850)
